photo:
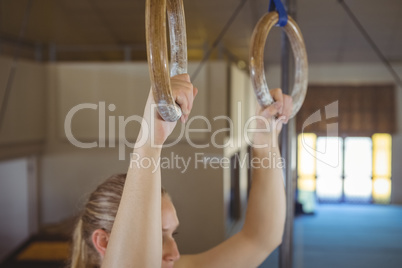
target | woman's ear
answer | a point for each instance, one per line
(100, 239)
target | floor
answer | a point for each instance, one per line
(40, 252)
(347, 236)
(49, 249)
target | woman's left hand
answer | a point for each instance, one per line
(272, 118)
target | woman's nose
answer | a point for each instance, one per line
(171, 252)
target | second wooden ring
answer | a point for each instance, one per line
(257, 72)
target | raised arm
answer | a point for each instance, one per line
(136, 237)
(265, 217)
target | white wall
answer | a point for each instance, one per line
(69, 174)
(23, 129)
(18, 205)
(24, 121)
(22, 134)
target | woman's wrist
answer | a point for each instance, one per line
(265, 140)
(151, 136)
(148, 149)
(268, 151)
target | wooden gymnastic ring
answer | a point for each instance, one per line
(155, 22)
(257, 61)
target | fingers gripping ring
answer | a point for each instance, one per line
(257, 61)
(155, 18)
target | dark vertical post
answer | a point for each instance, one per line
(52, 53)
(38, 52)
(287, 150)
(127, 53)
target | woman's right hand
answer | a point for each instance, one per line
(158, 129)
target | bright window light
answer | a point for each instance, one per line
(306, 154)
(363, 162)
(358, 157)
(329, 188)
(329, 156)
(306, 184)
(382, 144)
(358, 168)
(382, 190)
(358, 188)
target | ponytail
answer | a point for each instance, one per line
(78, 248)
(99, 213)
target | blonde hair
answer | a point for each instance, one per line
(99, 213)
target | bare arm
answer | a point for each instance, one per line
(265, 217)
(136, 237)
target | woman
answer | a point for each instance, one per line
(122, 225)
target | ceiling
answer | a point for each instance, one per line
(102, 29)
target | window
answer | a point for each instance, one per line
(351, 169)
(329, 169)
(358, 169)
(382, 147)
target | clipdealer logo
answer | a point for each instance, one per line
(204, 161)
(242, 130)
(327, 155)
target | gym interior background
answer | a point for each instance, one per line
(55, 55)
